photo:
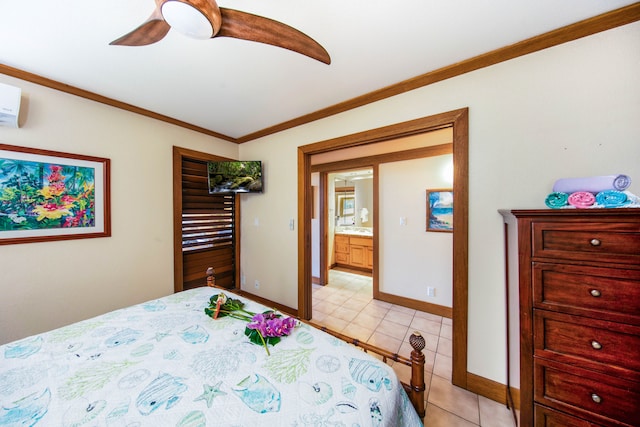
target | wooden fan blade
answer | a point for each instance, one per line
(245, 26)
(153, 30)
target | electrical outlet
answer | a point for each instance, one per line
(431, 291)
(257, 284)
(243, 280)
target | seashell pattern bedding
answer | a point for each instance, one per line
(166, 363)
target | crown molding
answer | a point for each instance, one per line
(587, 27)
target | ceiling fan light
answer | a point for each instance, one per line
(187, 20)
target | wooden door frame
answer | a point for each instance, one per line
(458, 120)
(178, 269)
(323, 192)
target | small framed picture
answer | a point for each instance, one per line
(348, 206)
(440, 210)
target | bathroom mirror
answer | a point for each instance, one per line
(353, 198)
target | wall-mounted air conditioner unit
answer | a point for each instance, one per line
(9, 105)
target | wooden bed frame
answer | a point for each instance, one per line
(416, 387)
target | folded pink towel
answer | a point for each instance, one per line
(581, 199)
(593, 184)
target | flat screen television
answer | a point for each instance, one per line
(241, 176)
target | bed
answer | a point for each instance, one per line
(166, 363)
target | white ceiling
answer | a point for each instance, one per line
(235, 87)
(354, 175)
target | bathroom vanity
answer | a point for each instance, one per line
(353, 248)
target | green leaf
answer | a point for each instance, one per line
(229, 308)
(254, 336)
(272, 340)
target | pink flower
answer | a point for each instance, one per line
(55, 174)
(270, 325)
(287, 325)
(70, 221)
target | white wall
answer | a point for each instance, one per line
(571, 110)
(269, 252)
(363, 189)
(410, 258)
(315, 227)
(49, 284)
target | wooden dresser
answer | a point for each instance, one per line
(579, 296)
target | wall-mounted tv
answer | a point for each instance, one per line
(241, 176)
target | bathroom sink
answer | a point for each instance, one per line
(355, 231)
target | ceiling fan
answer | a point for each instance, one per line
(203, 19)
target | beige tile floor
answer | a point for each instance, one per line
(345, 305)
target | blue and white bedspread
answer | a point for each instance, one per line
(165, 363)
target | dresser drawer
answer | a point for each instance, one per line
(546, 417)
(592, 241)
(609, 347)
(607, 400)
(608, 293)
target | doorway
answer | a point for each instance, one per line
(458, 122)
(343, 231)
(346, 220)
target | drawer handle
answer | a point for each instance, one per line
(595, 293)
(595, 242)
(596, 345)
(596, 398)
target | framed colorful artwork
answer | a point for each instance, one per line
(440, 210)
(48, 195)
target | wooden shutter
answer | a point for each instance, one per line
(208, 229)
